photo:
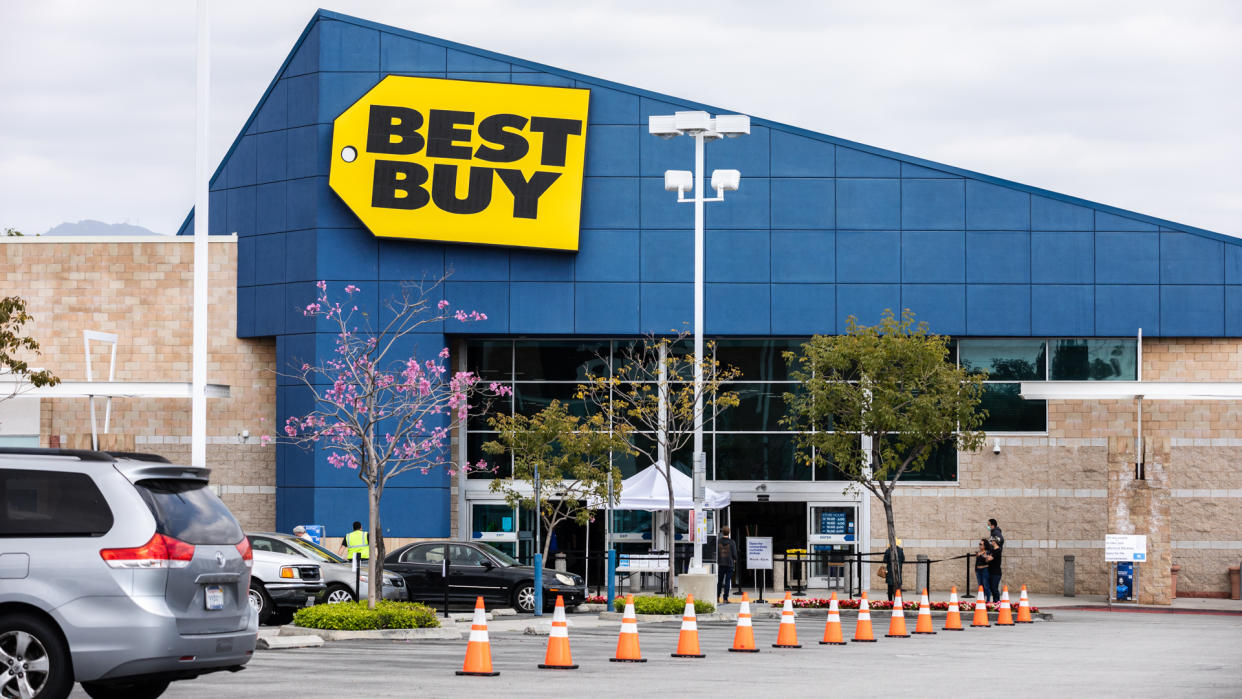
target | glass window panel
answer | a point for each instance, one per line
(474, 452)
(492, 518)
(631, 522)
(759, 360)
(500, 405)
(683, 458)
(560, 360)
(760, 408)
(1004, 360)
(1009, 412)
(940, 466)
(492, 360)
(530, 398)
(758, 457)
(1095, 360)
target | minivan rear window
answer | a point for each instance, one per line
(189, 511)
(51, 503)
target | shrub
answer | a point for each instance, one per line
(354, 616)
(650, 604)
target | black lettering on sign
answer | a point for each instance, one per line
(398, 185)
(556, 133)
(387, 123)
(444, 189)
(442, 133)
(526, 193)
(513, 145)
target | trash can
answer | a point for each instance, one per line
(794, 557)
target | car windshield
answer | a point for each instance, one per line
(504, 558)
(314, 550)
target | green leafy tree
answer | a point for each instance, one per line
(13, 233)
(15, 344)
(651, 391)
(561, 463)
(878, 400)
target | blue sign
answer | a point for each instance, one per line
(1125, 581)
(832, 523)
(316, 532)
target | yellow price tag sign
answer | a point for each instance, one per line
(463, 161)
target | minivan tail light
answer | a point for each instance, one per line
(247, 554)
(161, 551)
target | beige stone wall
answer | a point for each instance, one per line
(1049, 492)
(143, 292)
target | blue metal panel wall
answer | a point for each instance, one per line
(820, 230)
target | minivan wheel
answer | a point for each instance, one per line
(524, 597)
(339, 593)
(129, 690)
(260, 602)
(34, 659)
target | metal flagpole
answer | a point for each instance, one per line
(198, 402)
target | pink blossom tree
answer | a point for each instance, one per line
(381, 410)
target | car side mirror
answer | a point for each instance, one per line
(487, 563)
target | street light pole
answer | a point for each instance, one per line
(701, 126)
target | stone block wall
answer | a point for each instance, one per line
(1050, 492)
(141, 289)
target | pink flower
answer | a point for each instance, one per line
(323, 286)
(351, 289)
(264, 440)
(442, 305)
(444, 353)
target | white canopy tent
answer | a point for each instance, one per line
(647, 490)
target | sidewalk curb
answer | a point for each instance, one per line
(449, 632)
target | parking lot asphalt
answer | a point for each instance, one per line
(1103, 654)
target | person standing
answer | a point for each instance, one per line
(893, 561)
(994, 566)
(356, 542)
(994, 531)
(982, 557)
(726, 563)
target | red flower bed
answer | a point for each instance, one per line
(885, 605)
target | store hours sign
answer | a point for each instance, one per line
(463, 161)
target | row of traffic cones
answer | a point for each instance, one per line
(559, 656)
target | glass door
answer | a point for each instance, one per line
(831, 531)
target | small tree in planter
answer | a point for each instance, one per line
(381, 410)
(561, 464)
(895, 385)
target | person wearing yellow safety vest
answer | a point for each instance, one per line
(356, 542)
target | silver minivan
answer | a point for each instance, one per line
(122, 572)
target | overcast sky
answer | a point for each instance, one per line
(1135, 104)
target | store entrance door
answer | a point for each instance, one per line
(785, 522)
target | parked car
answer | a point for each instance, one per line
(475, 569)
(281, 584)
(338, 574)
(120, 571)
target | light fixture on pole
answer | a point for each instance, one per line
(700, 126)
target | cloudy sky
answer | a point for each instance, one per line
(1131, 103)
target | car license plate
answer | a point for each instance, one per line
(215, 597)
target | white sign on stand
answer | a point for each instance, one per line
(1125, 548)
(759, 552)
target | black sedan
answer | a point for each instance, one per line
(470, 570)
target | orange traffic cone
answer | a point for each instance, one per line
(688, 641)
(862, 631)
(627, 642)
(744, 636)
(924, 623)
(953, 619)
(1005, 616)
(832, 629)
(1024, 608)
(558, 656)
(787, 637)
(981, 610)
(479, 649)
(897, 624)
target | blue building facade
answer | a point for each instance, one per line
(820, 230)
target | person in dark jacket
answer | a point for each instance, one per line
(994, 567)
(726, 563)
(893, 561)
